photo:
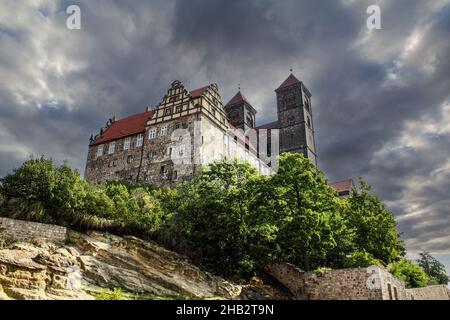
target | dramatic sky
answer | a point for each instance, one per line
(381, 99)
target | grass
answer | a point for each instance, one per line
(6, 243)
(119, 294)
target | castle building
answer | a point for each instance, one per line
(189, 129)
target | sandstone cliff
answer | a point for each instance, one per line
(91, 262)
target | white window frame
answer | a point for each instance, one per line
(112, 147)
(100, 149)
(163, 131)
(152, 134)
(140, 140)
(127, 143)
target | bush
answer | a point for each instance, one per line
(412, 274)
(42, 192)
(361, 259)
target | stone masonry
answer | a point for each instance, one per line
(189, 129)
(373, 283)
(25, 230)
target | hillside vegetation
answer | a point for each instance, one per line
(229, 219)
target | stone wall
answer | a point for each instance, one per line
(25, 230)
(373, 283)
(439, 292)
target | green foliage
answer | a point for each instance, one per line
(433, 268)
(412, 274)
(375, 226)
(43, 192)
(214, 221)
(361, 259)
(309, 213)
(228, 218)
(116, 294)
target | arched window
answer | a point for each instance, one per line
(308, 120)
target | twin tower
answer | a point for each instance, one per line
(295, 120)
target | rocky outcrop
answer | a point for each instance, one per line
(93, 261)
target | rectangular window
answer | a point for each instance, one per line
(127, 143)
(178, 108)
(163, 131)
(140, 140)
(129, 159)
(177, 126)
(112, 147)
(152, 134)
(168, 111)
(169, 151)
(100, 150)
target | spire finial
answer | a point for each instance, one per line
(290, 70)
(239, 86)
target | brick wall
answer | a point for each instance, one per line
(25, 230)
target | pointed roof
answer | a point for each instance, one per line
(238, 98)
(289, 81)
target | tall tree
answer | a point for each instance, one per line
(375, 225)
(309, 211)
(433, 268)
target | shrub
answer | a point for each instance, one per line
(361, 259)
(412, 274)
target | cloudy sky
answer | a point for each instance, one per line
(381, 99)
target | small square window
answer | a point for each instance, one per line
(178, 109)
(168, 111)
(177, 126)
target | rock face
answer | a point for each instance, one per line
(93, 261)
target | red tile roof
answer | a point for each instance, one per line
(271, 125)
(289, 81)
(344, 185)
(198, 92)
(125, 127)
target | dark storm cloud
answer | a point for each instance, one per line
(380, 99)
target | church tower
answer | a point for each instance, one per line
(240, 112)
(295, 118)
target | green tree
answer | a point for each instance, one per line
(412, 274)
(214, 222)
(309, 212)
(433, 268)
(375, 226)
